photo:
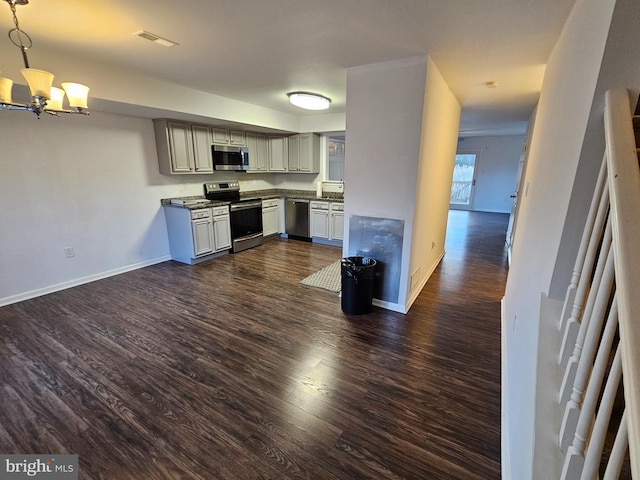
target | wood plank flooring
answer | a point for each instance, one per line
(232, 369)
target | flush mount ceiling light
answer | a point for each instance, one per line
(44, 97)
(309, 101)
(155, 38)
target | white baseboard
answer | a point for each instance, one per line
(394, 307)
(504, 427)
(416, 291)
(80, 281)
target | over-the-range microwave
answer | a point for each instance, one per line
(226, 157)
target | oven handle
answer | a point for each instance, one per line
(245, 206)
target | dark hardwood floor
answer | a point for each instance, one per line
(232, 369)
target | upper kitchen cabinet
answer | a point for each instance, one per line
(183, 148)
(304, 153)
(278, 153)
(258, 152)
(222, 136)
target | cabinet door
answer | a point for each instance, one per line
(202, 148)
(180, 146)
(237, 137)
(252, 146)
(320, 223)
(257, 145)
(278, 154)
(337, 225)
(309, 153)
(294, 153)
(202, 236)
(220, 135)
(270, 221)
(263, 152)
(221, 232)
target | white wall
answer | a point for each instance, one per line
(496, 170)
(402, 126)
(87, 182)
(620, 67)
(557, 137)
(441, 119)
(384, 118)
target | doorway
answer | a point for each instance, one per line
(464, 180)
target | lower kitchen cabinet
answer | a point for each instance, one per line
(202, 233)
(327, 221)
(336, 224)
(270, 217)
(196, 235)
(319, 221)
(221, 228)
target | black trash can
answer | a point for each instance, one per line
(357, 284)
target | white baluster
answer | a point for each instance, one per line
(575, 455)
(574, 325)
(596, 307)
(620, 446)
(590, 238)
(596, 442)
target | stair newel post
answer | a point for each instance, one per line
(589, 244)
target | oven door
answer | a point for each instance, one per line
(246, 224)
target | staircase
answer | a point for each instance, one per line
(588, 400)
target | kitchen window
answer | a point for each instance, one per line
(335, 157)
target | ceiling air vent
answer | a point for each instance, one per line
(155, 38)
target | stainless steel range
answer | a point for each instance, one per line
(245, 215)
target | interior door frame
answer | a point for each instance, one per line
(478, 154)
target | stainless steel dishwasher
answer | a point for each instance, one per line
(296, 217)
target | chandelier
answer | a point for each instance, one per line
(44, 96)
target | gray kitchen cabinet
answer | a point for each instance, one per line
(202, 236)
(319, 221)
(304, 153)
(270, 217)
(197, 235)
(220, 135)
(190, 233)
(223, 136)
(237, 137)
(278, 153)
(221, 228)
(336, 221)
(182, 148)
(327, 221)
(202, 158)
(258, 152)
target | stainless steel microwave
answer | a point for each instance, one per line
(230, 158)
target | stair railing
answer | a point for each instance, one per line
(601, 334)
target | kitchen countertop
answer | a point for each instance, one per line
(264, 194)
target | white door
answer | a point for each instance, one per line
(515, 205)
(464, 180)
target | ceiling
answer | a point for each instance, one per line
(256, 51)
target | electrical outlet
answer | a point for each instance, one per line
(433, 245)
(69, 252)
